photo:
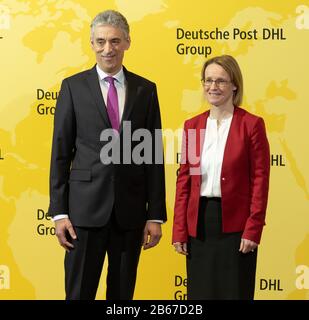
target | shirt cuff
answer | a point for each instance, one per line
(158, 221)
(59, 217)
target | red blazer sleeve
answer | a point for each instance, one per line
(180, 230)
(259, 181)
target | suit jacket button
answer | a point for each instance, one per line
(223, 179)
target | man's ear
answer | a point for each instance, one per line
(128, 40)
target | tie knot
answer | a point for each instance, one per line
(110, 80)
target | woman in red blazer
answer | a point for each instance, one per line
(222, 189)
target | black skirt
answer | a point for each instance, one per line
(215, 267)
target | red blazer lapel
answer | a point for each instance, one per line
(233, 139)
(195, 143)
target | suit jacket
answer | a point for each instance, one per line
(244, 178)
(80, 184)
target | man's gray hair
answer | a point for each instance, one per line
(112, 18)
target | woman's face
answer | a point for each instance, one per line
(218, 87)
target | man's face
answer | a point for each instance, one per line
(109, 44)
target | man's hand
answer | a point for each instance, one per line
(152, 234)
(63, 228)
(247, 245)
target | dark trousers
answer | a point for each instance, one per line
(83, 264)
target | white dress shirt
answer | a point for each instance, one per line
(212, 156)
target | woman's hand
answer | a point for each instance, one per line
(247, 245)
(181, 247)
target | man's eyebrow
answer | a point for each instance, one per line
(101, 38)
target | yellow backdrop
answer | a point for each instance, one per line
(43, 41)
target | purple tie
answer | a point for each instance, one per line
(112, 103)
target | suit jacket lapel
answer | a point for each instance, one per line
(95, 89)
(131, 95)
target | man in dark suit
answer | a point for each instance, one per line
(101, 206)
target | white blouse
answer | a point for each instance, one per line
(212, 156)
